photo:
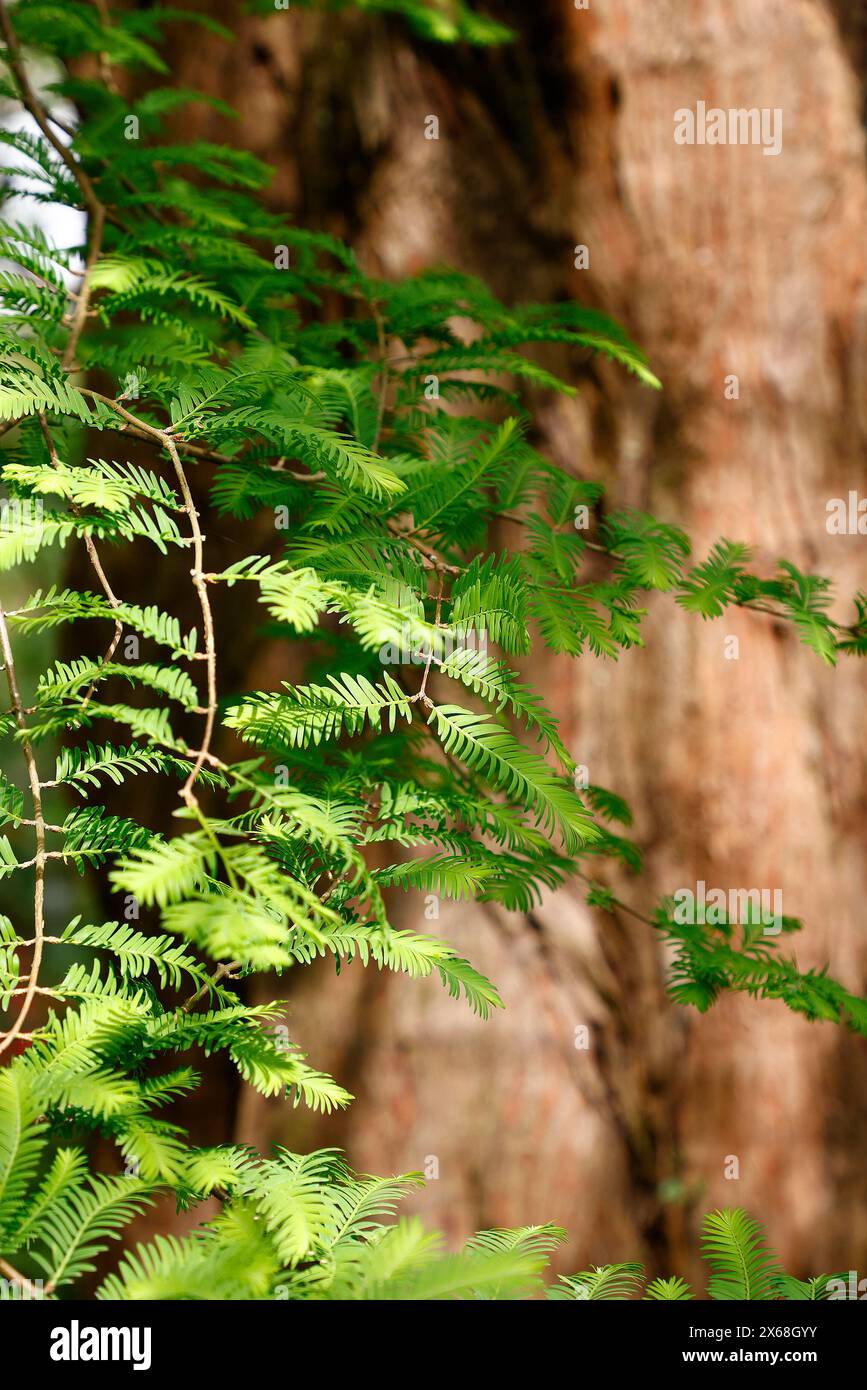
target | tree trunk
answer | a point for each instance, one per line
(743, 772)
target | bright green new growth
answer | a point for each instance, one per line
(742, 1268)
(307, 1227)
(383, 444)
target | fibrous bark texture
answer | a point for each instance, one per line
(744, 771)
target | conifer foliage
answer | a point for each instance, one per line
(258, 371)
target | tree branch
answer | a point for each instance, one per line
(40, 115)
(201, 588)
(39, 862)
(96, 564)
(29, 1289)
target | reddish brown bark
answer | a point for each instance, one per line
(744, 773)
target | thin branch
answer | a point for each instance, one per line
(51, 853)
(617, 902)
(105, 71)
(29, 1289)
(431, 557)
(201, 588)
(51, 993)
(98, 570)
(422, 692)
(222, 972)
(24, 820)
(39, 862)
(383, 374)
(753, 606)
(142, 429)
(147, 431)
(95, 229)
(40, 115)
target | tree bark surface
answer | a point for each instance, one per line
(743, 773)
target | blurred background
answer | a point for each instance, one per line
(719, 261)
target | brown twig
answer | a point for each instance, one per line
(201, 589)
(143, 430)
(93, 556)
(222, 972)
(29, 1289)
(422, 692)
(41, 117)
(39, 862)
(431, 557)
(383, 374)
(105, 71)
(95, 229)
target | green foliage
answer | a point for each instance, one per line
(741, 1267)
(296, 1227)
(601, 1283)
(439, 21)
(202, 316)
